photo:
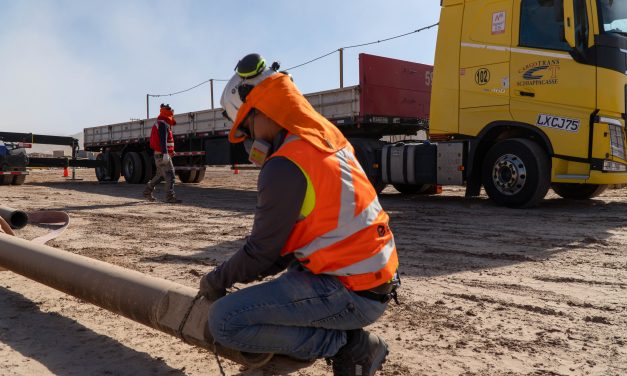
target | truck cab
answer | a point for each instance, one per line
(537, 90)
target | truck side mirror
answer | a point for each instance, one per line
(569, 23)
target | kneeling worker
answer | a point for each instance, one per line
(316, 212)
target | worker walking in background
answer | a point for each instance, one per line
(317, 215)
(162, 144)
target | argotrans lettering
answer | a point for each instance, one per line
(558, 122)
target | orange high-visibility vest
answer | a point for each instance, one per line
(343, 231)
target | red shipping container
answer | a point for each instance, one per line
(391, 87)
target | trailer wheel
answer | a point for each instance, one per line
(578, 191)
(516, 173)
(149, 166)
(132, 168)
(116, 166)
(187, 176)
(111, 169)
(6, 179)
(101, 172)
(200, 175)
(410, 189)
(19, 179)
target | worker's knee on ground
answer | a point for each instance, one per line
(224, 322)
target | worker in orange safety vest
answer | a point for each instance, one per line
(162, 145)
(318, 216)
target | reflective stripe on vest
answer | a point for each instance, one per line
(373, 263)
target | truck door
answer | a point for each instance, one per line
(550, 89)
(485, 64)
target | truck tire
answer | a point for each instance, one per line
(116, 166)
(516, 173)
(575, 191)
(19, 179)
(148, 163)
(132, 168)
(410, 189)
(6, 179)
(187, 176)
(111, 170)
(200, 175)
(366, 152)
(101, 172)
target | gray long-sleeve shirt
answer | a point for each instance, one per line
(281, 190)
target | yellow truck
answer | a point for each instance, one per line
(533, 91)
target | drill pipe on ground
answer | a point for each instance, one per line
(17, 219)
(160, 304)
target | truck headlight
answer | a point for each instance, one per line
(617, 136)
(611, 166)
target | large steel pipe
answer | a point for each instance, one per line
(160, 304)
(15, 218)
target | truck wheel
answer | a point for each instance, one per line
(101, 172)
(366, 152)
(576, 191)
(19, 179)
(6, 179)
(187, 176)
(200, 175)
(409, 189)
(111, 170)
(116, 166)
(148, 164)
(132, 168)
(516, 173)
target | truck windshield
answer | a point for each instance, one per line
(613, 15)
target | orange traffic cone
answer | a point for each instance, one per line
(65, 172)
(235, 170)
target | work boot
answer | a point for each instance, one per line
(172, 200)
(148, 194)
(363, 355)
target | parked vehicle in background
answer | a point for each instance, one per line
(14, 161)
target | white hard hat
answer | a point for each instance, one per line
(250, 71)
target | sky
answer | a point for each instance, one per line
(71, 64)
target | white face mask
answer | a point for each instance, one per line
(258, 151)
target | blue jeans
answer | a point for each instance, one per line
(299, 314)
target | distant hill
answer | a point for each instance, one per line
(48, 149)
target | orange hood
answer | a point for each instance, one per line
(279, 99)
(167, 116)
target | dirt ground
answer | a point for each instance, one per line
(486, 290)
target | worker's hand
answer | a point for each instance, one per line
(209, 291)
(166, 158)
